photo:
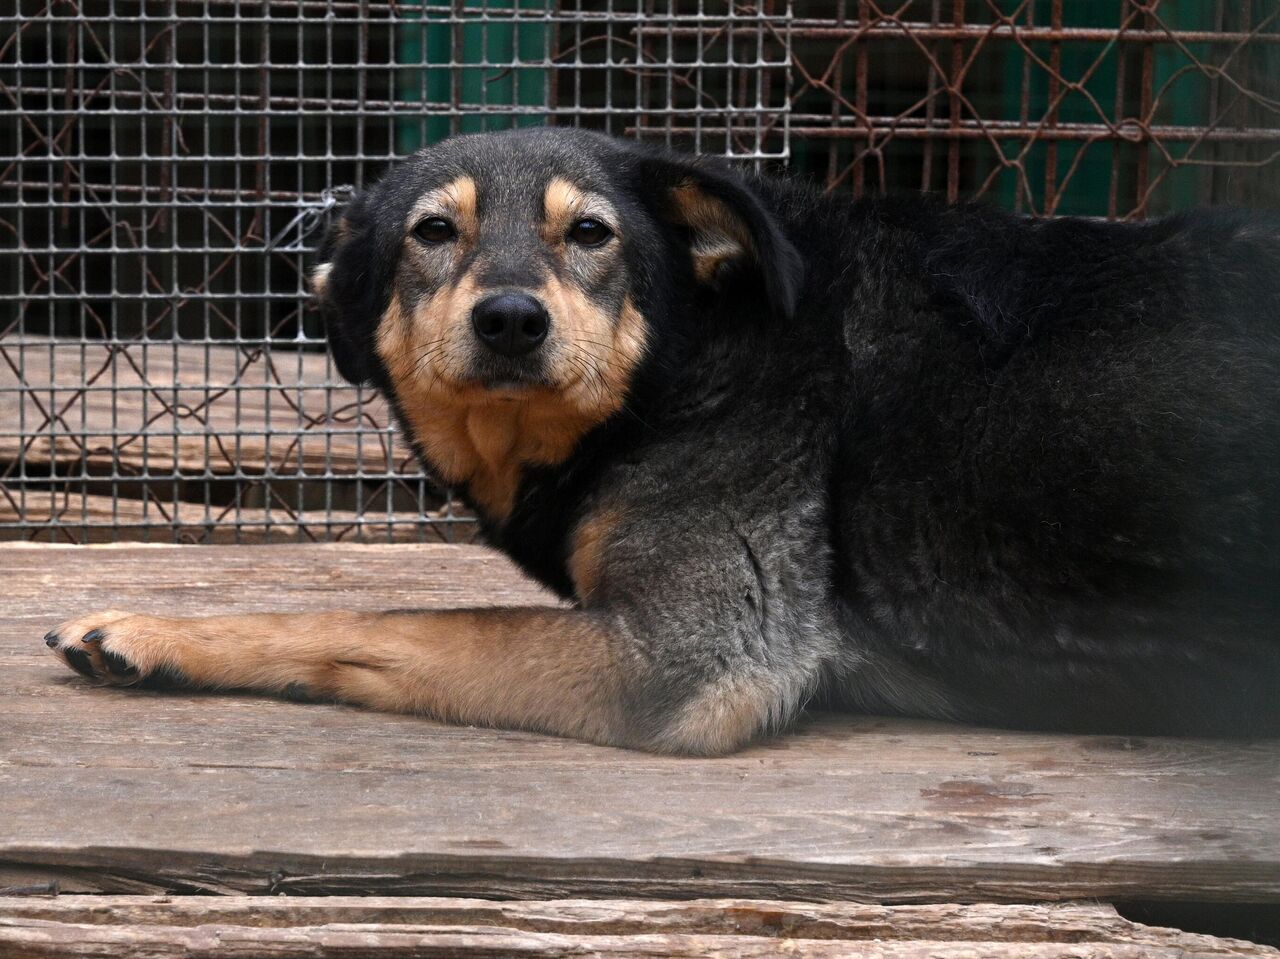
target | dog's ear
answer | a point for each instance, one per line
(351, 283)
(727, 226)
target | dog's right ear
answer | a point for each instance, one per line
(726, 225)
(352, 286)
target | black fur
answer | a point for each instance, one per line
(942, 461)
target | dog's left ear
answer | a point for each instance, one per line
(351, 284)
(728, 227)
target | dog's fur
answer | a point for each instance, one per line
(777, 445)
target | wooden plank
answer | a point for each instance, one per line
(105, 519)
(117, 791)
(183, 408)
(985, 922)
(57, 941)
(276, 926)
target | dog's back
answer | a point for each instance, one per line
(1056, 485)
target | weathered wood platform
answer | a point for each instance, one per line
(118, 792)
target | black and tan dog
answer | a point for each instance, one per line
(776, 446)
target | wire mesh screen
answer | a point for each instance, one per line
(167, 167)
(1117, 108)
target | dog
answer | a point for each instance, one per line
(779, 447)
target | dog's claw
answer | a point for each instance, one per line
(51, 638)
(93, 636)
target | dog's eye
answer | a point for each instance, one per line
(434, 229)
(589, 232)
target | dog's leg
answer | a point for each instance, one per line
(535, 668)
(571, 672)
(696, 654)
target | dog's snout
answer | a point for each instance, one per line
(511, 324)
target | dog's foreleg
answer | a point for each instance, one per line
(570, 672)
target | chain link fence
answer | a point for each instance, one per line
(167, 167)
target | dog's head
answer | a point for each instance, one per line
(535, 267)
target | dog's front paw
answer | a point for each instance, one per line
(112, 646)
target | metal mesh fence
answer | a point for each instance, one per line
(1117, 108)
(166, 167)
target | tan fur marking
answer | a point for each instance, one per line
(723, 718)
(587, 552)
(563, 203)
(602, 353)
(471, 435)
(719, 235)
(547, 669)
(708, 260)
(456, 201)
(320, 278)
(555, 670)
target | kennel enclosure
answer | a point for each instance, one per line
(168, 167)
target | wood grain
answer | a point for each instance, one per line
(274, 926)
(105, 519)
(57, 941)
(164, 408)
(127, 792)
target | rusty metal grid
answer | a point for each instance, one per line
(1115, 108)
(167, 167)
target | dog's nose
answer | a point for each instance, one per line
(512, 324)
